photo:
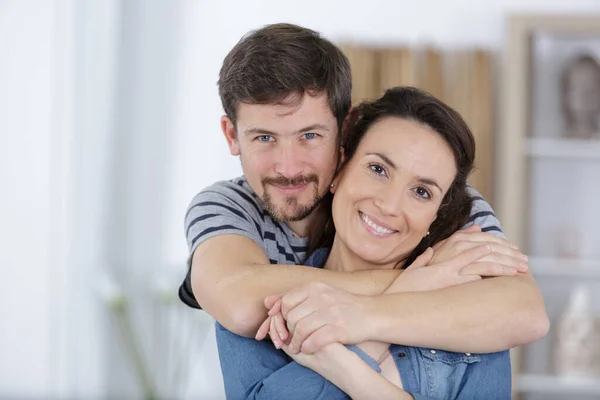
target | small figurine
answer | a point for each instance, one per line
(581, 98)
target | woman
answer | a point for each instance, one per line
(401, 190)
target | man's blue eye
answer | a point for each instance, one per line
(264, 138)
(310, 135)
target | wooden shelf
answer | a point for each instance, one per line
(577, 268)
(557, 385)
(563, 148)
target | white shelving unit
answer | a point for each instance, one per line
(573, 268)
(546, 188)
(563, 148)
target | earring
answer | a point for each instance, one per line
(427, 233)
(332, 185)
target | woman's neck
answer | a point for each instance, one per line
(341, 258)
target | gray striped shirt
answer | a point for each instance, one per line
(232, 207)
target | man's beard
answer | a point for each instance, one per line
(299, 211)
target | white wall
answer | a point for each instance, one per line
(27, 41)
(40, 161)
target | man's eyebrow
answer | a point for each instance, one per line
(309, 128)
(259, 131)
(314, 127)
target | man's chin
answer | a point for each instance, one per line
(292, 214)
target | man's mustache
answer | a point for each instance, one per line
(295, 181)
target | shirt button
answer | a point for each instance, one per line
(432, 351)
(468, 354)
(401, 355)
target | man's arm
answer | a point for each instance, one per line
(479, 317)
(230, 273)
(231, 276)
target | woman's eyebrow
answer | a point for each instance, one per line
(385, 159)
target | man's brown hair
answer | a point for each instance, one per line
(278, 63)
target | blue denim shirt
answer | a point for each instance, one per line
(257, 370)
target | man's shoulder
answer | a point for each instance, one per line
(234, 192)
(479, 202)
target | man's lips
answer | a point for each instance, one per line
(289, 190)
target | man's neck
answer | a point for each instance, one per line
(300, 228)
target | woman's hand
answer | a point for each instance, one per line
(503, 257)
(466, 256)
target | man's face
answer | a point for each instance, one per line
(288, 153)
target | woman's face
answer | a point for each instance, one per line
(389, 193)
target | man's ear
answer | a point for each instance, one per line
(228, 129)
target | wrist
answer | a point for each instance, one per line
(371, 311)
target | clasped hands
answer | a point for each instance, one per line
(308, 318)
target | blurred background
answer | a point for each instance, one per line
(109, 125)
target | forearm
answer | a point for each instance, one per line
(484, 316)
(307, 384)
(236, 297)
(347, 371)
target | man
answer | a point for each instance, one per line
(286, 92)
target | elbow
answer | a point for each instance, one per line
(237, 313)
(540, 325)
(233, 313)
(244, 320)
(532, 325)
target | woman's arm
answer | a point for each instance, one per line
(256, 370)
(351, 374)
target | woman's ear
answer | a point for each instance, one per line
(334, 184)
(228, 129)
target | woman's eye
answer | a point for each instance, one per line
(378, 169)
(264, 138)
(422, 192)
(310, 136)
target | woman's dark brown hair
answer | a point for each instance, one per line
(416, 105)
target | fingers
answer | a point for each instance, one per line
(299, 313)
(474, 234)
(320, 338)
(422, 260)
(263, 330)
(469, 256)
(516, 261)
(271, 300)
(274, 335)
(488, 268)
(304, 329)
(292, 299)
(275, 307)
(280, 327)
